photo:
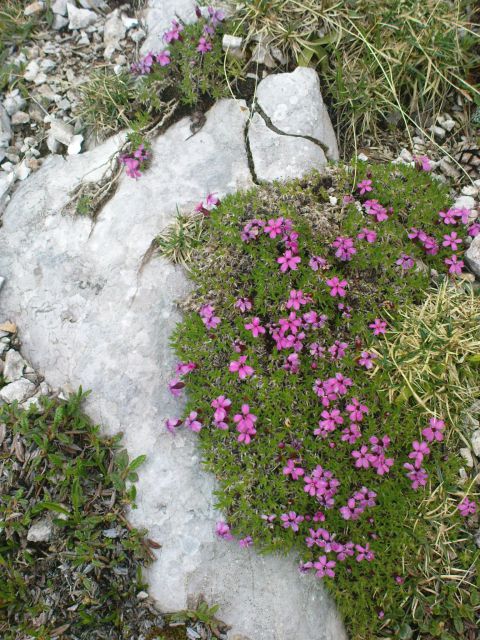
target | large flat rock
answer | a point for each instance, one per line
(88, 316)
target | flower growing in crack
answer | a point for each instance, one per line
(246, 542)
(175, 387)
(171, 424)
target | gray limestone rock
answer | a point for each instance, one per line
(91, 316)
(294, 104)
(40, 531)
(18, 391)
(281, 156)
(472, 256)
(15, 365)
(158, 16)
(80, 18)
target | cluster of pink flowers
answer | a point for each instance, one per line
(291, 521)
(222, 529)
(245, 422)
(357, 504)
(134, 162)
(332, 389)
(467, 507)
(321, 484)
(209, 319)
(420, 450)
(429, 243)
(375, 209)
(145, 66)
(176, 385)
(345, 249)
(222, 406)
(375, 456)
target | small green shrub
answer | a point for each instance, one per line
(84, 580)
(421, 544)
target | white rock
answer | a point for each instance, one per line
(232, 44)
(2, 282)
(114, 31)
(22, 170)
(467, 456)
(20, 117)
(475, 441)
(472, 256)
(5, 128)
(59, 22)
(31, 71)
(14, 102)
(80, 18)
(464, 202)
(47, 64)
(84, 39)
(40, 78)
(52, 144)
(60, 7)
(15, 365)
(294, 104)
(362, 157)
(281, 156)
(137, 35)
(40, 531)
(61, 131)
(33, 8)
(470, 190)
(129, 23)
(18, 391)
(93, 4)
(406, 156)
(75, 145)
(437, 131)
(448, 124)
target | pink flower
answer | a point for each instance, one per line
(255, 327)
(211, 201)
(381, 463)
(317, 262)
(448, 217)
(452, 240)
(364, 553)
(274, 228)
(324, 567)
(239, 366)
(434, 431)
(163, 58)
(221, 406)
(367, 234)
(422, 163)
(209, 319)
(245, 424)
(204, 45)
(337, 350)
(362, 458)
(367, 359)
(463, 213)
(293, 363)
(378, 326)
(297, 299)
(288, 261)
(132, 167)
(405, 261)
(348, 199)
(171, 424)
(454, 264)
(418, 477)
(223, 530)
(337, 287)
(244, 304)
(216, 15)
(175, 387)
(467, 507)
(364, 186)
(356, 410)
(184, 368)
(192, 423)
(420, 451)
(474, 229)
(246, 542)
(291, 520)
(292, 470)
(344, 248)
(351, 434)
(374, 208)
(174, 33)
